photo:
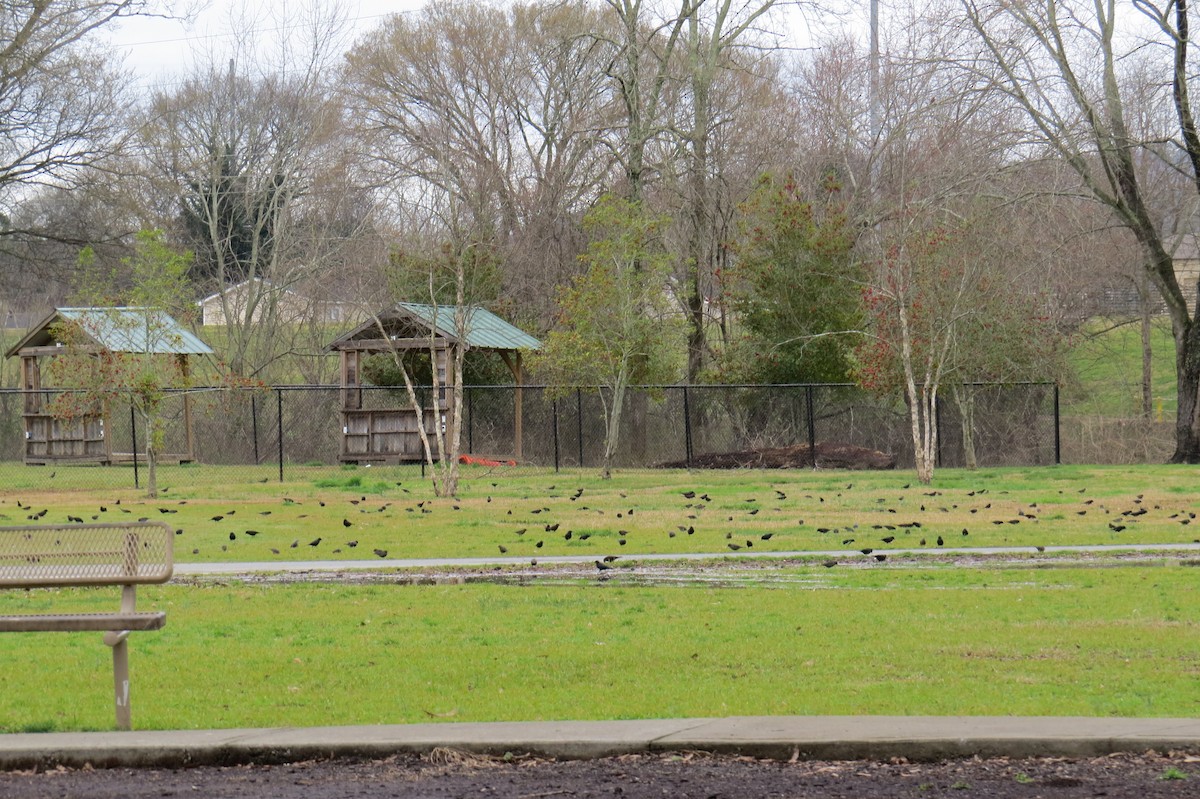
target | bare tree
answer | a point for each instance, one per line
(496, 112)
(1061, 62)
(61, 104)
(248, 161)
(715, 33)
(922, 181)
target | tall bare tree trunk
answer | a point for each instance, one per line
(964, 399)
(1144, 305)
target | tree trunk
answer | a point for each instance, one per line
(1187, 382)
(964, 398)
(1144, 305)
(612, 431)
(153, 434)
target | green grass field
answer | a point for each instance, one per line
(908, 636)
(393, 511)
(1107, 366)
(1059, 641)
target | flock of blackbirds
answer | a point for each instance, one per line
(903, 520)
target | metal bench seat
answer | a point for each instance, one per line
(61, 556)
(83, 622)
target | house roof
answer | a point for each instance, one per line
(143, 330)
(484, 330)
(237, 288)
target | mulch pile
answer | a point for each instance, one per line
(827, 456)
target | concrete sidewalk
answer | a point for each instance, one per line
(778, 737)
(850, 555)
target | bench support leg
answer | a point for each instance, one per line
(120, 653)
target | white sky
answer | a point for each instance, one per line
(162, 50)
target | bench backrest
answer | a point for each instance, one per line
(86, 554)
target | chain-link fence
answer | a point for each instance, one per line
(263, 434)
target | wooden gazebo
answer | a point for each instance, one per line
(390, 435)
(119, 330)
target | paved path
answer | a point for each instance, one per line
(779, 737)
(255, 567)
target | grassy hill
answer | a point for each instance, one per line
(1107, 362)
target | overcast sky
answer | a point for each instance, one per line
(161, 50)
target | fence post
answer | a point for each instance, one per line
(254, 426)
(579, 422)
(687, 428)
(811, 419)
(554, 416)
(1057, 430)
(133, 439)
(279, 423)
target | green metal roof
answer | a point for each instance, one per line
(121, 330)
(484, 329)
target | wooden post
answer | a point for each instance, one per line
(351, 396)
(190, 442)
(513, 362)
(31, 381)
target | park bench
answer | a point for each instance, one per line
(60, 556)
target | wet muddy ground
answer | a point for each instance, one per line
(444, 774)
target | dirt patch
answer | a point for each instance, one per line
(800, 456)
(680, 775)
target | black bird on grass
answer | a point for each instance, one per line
(603, 567)
(347, 523)
(381, 553)
(314, 542)
(503, 549)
